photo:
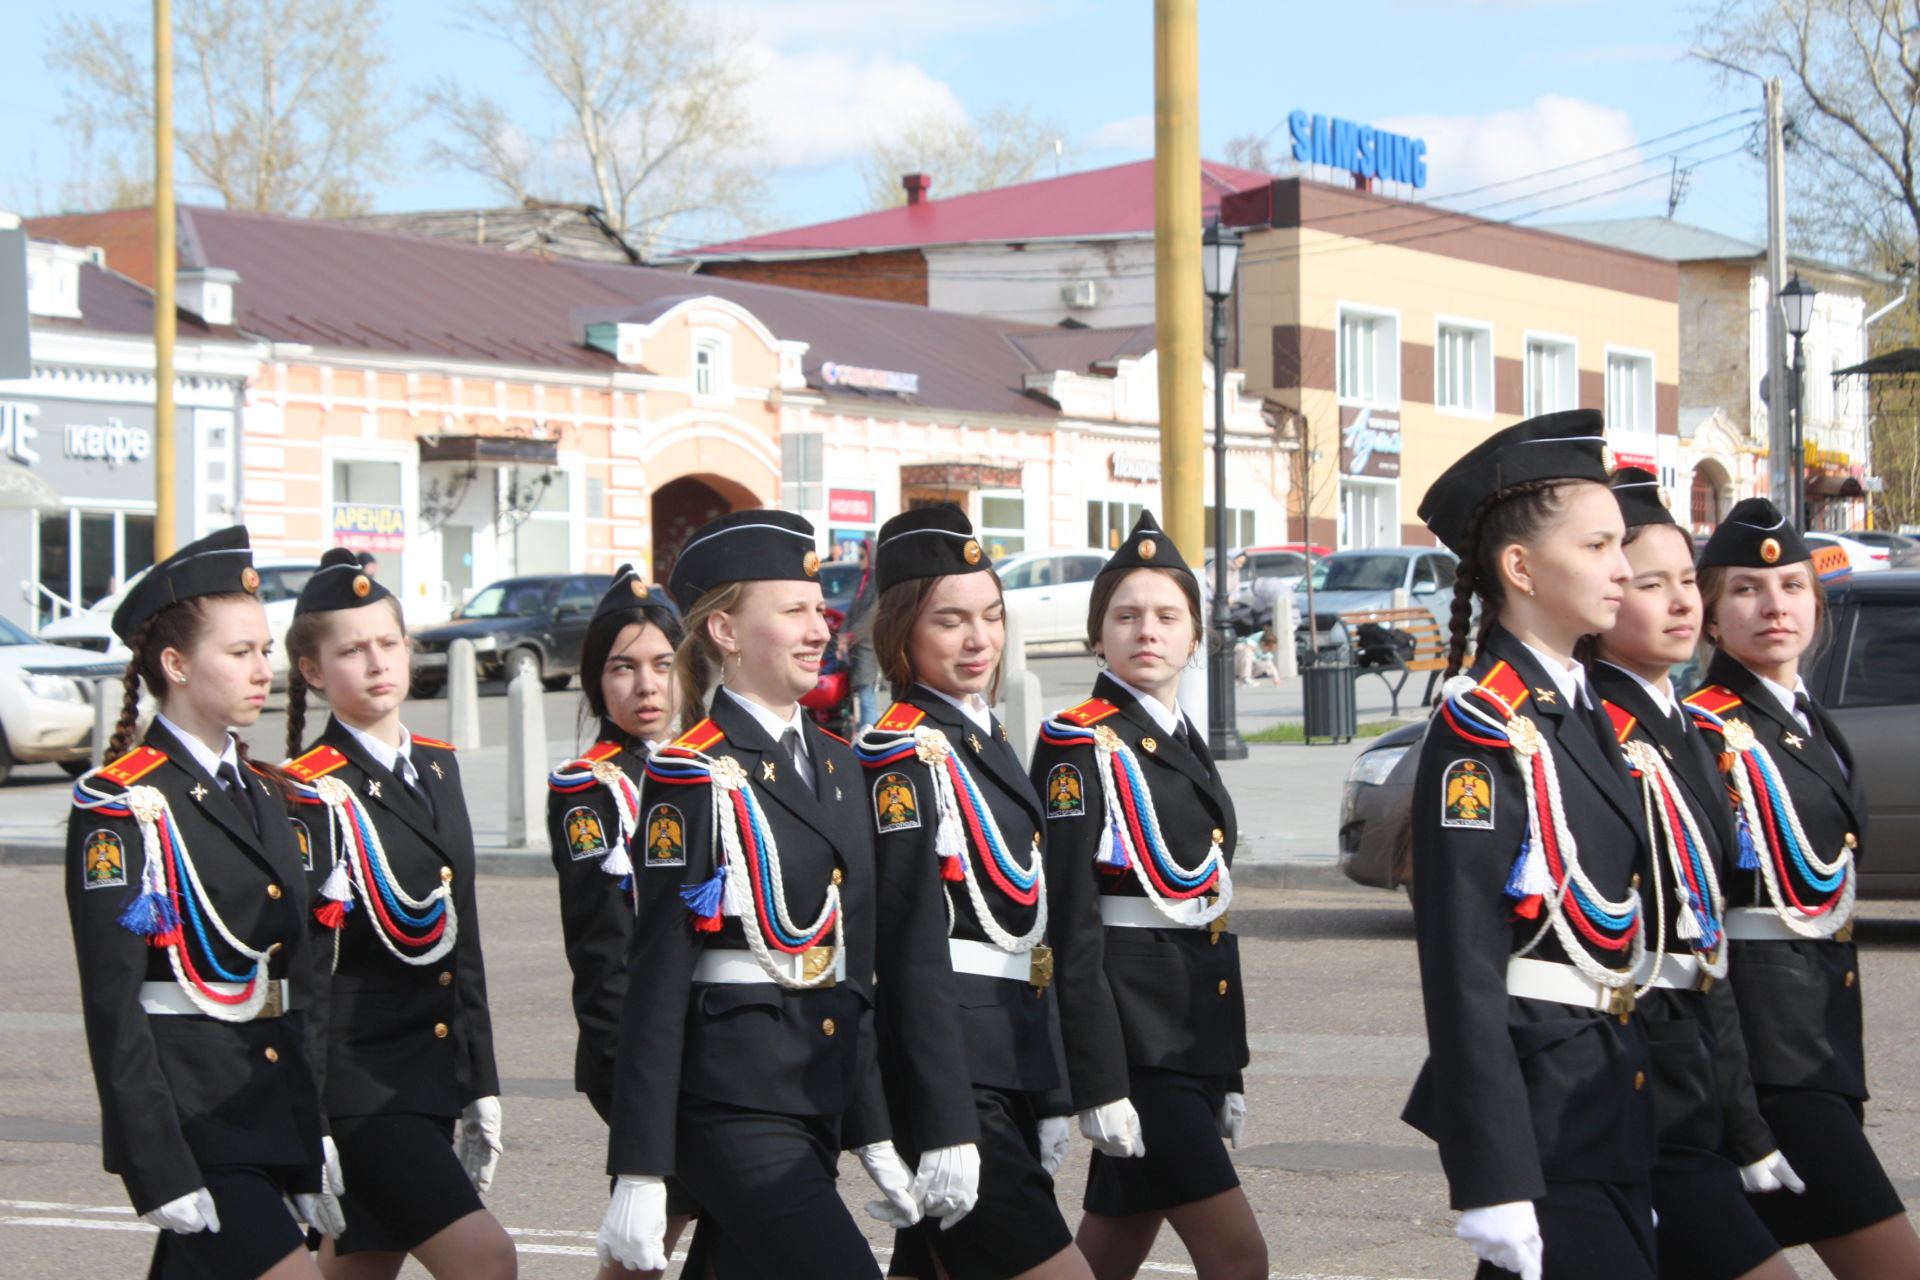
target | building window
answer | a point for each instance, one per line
(706, 362)
(1463, 368)
(1629, 391)
(1368, 361)
(1108, 523)
(802, 470)
(1553, 378)
(1003, 523)
(1369, 513)
(1239, 528)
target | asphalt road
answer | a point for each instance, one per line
(1342, 1188)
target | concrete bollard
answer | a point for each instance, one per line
(526, 761)
(107, 693)
(463, 697)
(1020, 709)
(1398, 600)
(1286, 659)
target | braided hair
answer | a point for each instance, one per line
(139, 643)
(1517, 514)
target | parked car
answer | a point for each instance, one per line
(1860, 555)
(1366, 578)
(1867, 675)
(533, 624)
(839, 583)
(1903, 552)
(92, 628)
(1048, 593)
(46, 702)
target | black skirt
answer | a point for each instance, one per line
(1708, 1229)
(256, 1231)
(1016, 1225)
(1821, 1136)
(1186, 1158)
(1591, 1231)
(405, 1184)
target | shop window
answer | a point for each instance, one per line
(1368, 360)
(1108, 523)
(1629, 391)
(1003, 524)
(1552, 375)
(1369, 513)
(1463, 368)
(802, 469)
(1239, 527)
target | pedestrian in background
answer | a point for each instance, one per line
(856, 644)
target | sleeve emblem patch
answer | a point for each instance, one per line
(1468, 796)
(666, 837)
(585, 839)
(104, 860)
(1066, 796)
(896, 806)
(302, 843)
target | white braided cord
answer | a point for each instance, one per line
(343, 805)
(1816, 928)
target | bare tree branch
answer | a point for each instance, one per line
(1008, 146)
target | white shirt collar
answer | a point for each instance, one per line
(974, 707)
(1570, 680)
(1662, 698)
(386, 757)
(201, 753)
(772, 723)
(1784, 696)
(1168, 718)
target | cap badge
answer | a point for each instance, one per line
(638, 587)
(361, 585)
(810, 564)
(1607, 458)
(1666, 499)
(1770, 550)
(1149, 548)
(249, 579)
(971, 552)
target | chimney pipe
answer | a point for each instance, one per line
(916, 185)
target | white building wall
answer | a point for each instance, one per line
(1031, 282)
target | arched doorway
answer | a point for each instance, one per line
(1708, 500)
(680, 506)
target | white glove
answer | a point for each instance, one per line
(480, 1141)
(947, 1184)
(1233, 1118)
(634, 1232)
(1506, 1235)
(1114, 1129)
(332, 1181)
(1056, 1140)
(1771, 1173)
(320, 1210)
(192, 1212)
(900, 1209)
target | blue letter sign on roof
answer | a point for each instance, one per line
(1358, 148)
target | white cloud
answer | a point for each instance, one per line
(839, 23)
(820, 106)
(1467, 152)
(1134, 135)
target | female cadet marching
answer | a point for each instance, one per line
(1798, 812)
(200, 984)
(1529, 839)
(411, 1088)
(1712, 1140)
(1140, 838)
(626, 682)
(948, 791)
(745, 1060)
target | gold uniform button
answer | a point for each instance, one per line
(273, 1054)
(440, 1030)
(1223, 983)
(446, 875)
(1218, 835)
(1639, 1080)
(273, 891)
(1849, 978)
(837, 877)
(1853, 841)
(446, 979)
(826, 1026)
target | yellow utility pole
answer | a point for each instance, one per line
(1176, 274)
(163, 269)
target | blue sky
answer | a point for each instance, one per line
(1499, 88)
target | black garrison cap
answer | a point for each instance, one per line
(1554, 446)
(759, 545)
(1754, 536)
(629, 591)
(341, 582)
(927, 542)
(1642, 500)
(1147, 547)
(219, 564)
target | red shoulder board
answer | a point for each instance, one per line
(317, 763)
(900, 717)
(1623, 720)
(701, 737)
(1089, 713)
(433, 742)
(831, 734)
(134, 765)
(1504, 682)
(601, 751)
(1715, 698)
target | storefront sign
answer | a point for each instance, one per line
(17, 432)
(850, 506)
(847, 375)
(1358, 148)
(1642, 460)
(959, 475)
(1369, 443)
(365, 526)
(112, 442)
(1127, 466)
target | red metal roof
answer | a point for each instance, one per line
(1099, 202)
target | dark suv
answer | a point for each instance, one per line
(1865, 671)
(535, 624)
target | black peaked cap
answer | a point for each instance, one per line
(219, 564)
(927, 542)
(1754, 536)
(1641, 499)
(1554, 446)
(1147, 547)
(759, 545)
(341, 582)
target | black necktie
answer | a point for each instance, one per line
(411, 780)
(798, 754)
(237, 788)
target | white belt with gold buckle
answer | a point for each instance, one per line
(1564, 984)
(1127, 912)
(167, 997)
(983, 959)
(1763, 924)
(729, 965)
(1679, 971)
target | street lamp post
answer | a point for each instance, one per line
(1796, 303)
(1220, 254)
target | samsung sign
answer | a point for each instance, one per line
(1358, 148)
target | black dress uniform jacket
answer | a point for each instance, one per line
(179, 1092)
(596, 916)
(1800, 1000)
(1168, 998)
(1006, 1025)
(1702, 1090)
(1492, 1058)
(404, 1038)
(758, 1045)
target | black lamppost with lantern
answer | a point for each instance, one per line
(1796, 303)
(1220, 255)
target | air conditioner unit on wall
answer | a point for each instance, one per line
(1081, 294)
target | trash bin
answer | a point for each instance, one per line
(1326, 690)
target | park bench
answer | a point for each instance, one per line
(1381, 650)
